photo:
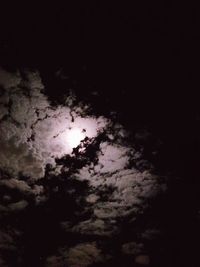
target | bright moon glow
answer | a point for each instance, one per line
(74, 137)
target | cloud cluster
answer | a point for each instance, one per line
(32, 132)
(82, 255)
(116, 191)
(35, 134)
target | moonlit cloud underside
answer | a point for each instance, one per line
(33, 133)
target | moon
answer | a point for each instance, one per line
(74, 137)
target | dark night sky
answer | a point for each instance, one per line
(143, 60)
(147, 52)
(148, 49)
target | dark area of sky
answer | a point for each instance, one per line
(143, 59)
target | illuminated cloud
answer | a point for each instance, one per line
(32, 132)
(45, 146)
(83, 255)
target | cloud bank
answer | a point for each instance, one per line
(38, 163)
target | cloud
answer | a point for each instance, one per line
(130, 186)
(9, 80)
(16, 195)
(111, 158)
(83, 255)
(12, 183)
(116, 190)
(16, 157)
(32, 132)
(18, 206)
(95, 227)
(42, 166)
(6, 241)
(143, 260)
(8, 246)
(132, 248)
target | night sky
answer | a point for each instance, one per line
(99, 135)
